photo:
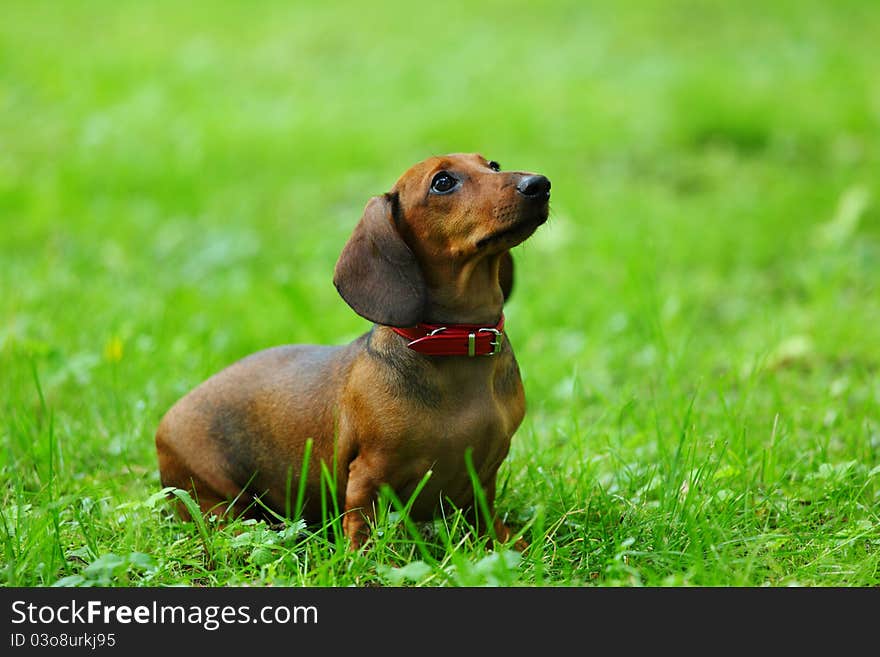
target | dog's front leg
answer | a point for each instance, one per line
(502, 532)
(361, 493)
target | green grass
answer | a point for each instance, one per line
(698, 325)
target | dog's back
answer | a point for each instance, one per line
(244, 429)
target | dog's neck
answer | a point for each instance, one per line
(465, 293)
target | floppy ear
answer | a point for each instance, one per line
(505, 274)
(377, 274)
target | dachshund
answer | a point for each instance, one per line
(425, 402)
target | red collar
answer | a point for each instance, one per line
(454, 339)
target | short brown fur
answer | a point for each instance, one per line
(377, 412)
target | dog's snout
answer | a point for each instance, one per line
(534, 186)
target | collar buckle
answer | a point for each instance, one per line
(496, 343)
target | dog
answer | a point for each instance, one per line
(432, 386)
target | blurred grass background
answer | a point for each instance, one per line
(176, 181)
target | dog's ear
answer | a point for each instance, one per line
(505, 274)
(377, 274)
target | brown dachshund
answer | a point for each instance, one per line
(432, 382)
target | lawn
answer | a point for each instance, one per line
(698, 324)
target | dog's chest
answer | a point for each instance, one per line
(468, 400)
(437, 415)
(456, 444)
(469, 415)
(470, 420)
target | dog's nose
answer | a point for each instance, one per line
(534, 186)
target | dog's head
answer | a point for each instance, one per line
(440, 239)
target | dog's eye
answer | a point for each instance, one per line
(443, 183)
(494, 166)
